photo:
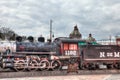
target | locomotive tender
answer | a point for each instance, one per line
(62, 51)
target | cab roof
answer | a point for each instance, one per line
(70, 40)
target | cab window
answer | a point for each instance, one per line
(68, 46)
(72, 46)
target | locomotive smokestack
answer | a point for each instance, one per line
(19, 38)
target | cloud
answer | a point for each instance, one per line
(32, 17)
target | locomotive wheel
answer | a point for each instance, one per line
(86, 66)
(44, 65)
(56, 65)
(90, 66)
(19, 66)
(117, 66)
(33, 65)
(109, 66)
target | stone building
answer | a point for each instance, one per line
(90, 38)
(75, 33)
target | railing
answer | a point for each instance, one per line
(107, 42)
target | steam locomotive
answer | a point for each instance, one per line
(58, 54)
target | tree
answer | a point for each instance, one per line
(1, 36)
(7, 34)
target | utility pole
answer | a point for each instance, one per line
(51, 30)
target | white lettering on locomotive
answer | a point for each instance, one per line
(70, 53)
(102, 54)
(109, 54)
(116, 54)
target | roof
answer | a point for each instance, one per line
(66, 39)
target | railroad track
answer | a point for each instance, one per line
(10, 74)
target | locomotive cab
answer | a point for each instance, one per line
(68, 51)
(68, 47)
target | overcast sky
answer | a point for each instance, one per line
(32, 17)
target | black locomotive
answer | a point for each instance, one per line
(59, 53)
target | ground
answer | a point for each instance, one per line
(71, 77)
